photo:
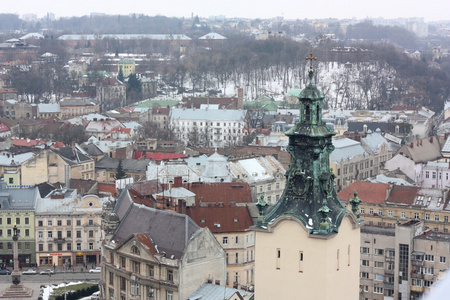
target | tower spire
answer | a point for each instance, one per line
(309, 194)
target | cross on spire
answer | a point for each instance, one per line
(311, 58)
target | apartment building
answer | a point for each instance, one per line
(402, 262)
(68, 229)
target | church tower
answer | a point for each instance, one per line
(307, 245)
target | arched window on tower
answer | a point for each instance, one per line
(307, 113)
(318, 114)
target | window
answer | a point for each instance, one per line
(371, 211)
(416, 216)
(111, 278)
(59, 247)
(169, 295)
(278, 258)
(136, 267)
(379, 252)
(27, 220)
(135, 288)
(59, 222)
(8, 221)
(442, 259)
(445, 218)
(151, 270)
(69, 234)
(427, 216)
(429, 257)
(50, 234)
(91, 222)
(41, 247)
(17, 221)
(123, 283)
(27, 232)
(436, 217)
(91, 233)
(362, 210)
(69, 247)
(380, 212)
(8, 232)
(50, 247)
(40, 234)
(300, 267)
(225, 240)
(379, 264)
(390, 214)
(78, 246)
(364, 262)
(49, 223)
(170, 275)
(427, 174)
(123, 262)
(390, 266)
(403, 214)
(365, 250)
(78, 222)
(378, 277)
(237, 258)
(364, 275)
(78, 234)
(27, 245)
(378, 290)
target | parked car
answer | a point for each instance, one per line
(95, 296)
(46, 272)
(29, 272)
(5, 272)
(96, 270)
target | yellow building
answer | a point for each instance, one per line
(128, 66)
(307, 244)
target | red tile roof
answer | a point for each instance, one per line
(26, 142)
(3, 127)
(368, 192)
(403, 194)
(157, 156)
(106, 188)
(225, 192)
(221, 219)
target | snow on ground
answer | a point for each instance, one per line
(48, 290)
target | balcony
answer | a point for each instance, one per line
(417, 275)
(59, 240)
(418, 263)
(418, 289)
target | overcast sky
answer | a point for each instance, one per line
(431, 10)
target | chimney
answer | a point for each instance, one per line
(240, 104)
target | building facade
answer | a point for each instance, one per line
(68, 229)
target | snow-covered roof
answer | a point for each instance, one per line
(178, 192)
(212, 36)
(374, 140)
(49, 108)
(79, 37)
(104, 145)
(6, 158)
(381, 178)
(346, 148)
(32, 35)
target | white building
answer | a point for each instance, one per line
(208, 127)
